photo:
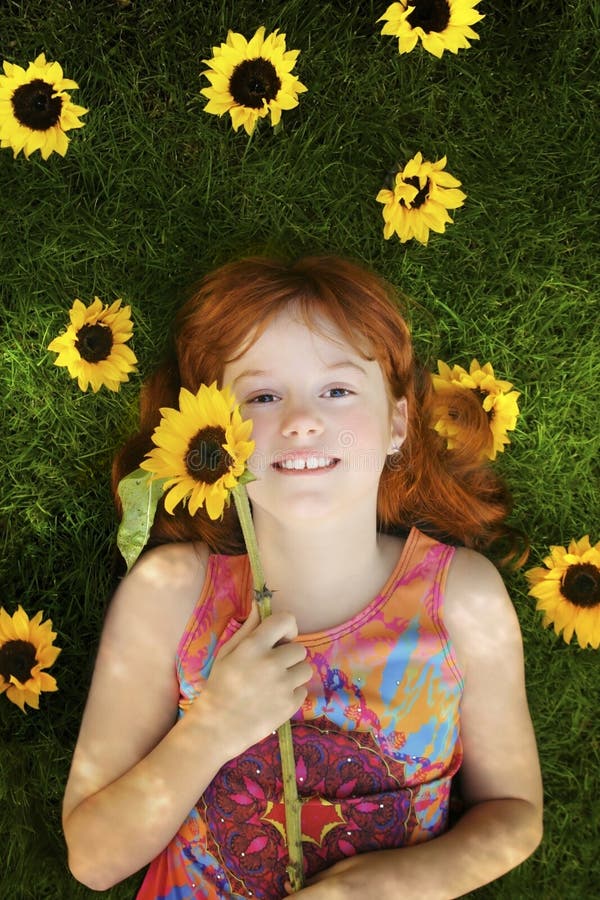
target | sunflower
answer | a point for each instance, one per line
(93, 346)
(250, 79)
(201, 449)
(35, 110)
(498, 402)
(440, 24)
(25, 649)
(419, 200)
(568, 591)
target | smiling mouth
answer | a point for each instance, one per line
(310, 463)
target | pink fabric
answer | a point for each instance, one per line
(376, 742)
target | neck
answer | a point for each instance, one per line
(325, 574)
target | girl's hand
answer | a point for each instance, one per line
(326, 885)
(353, 878)
(257, 682)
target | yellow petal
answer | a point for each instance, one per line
(215, 500)
(21, 624)
(48, 683)
(285, 101)
(197, 498)
(175, 496)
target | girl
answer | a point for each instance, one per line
(396, 653)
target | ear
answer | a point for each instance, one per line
(399, 420)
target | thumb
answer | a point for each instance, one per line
(243, 631)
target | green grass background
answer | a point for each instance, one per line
(153, 192)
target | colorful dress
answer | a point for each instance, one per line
(376, 742)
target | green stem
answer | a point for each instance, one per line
(284, 732)
(242, 505)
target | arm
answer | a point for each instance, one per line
(500, 775)
(136, 770)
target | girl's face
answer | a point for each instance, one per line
(323, 422)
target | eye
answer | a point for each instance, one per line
(261, 398)
(339, 392)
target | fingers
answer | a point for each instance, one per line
(287, 655)
(300, 674)
(278, 628)
(276, 631)
(290, 656)
(299, 695)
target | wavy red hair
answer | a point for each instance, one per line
(453, 495)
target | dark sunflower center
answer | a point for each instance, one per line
(94, 342)
(430, 15)
(421, 196)
(253, 81)
(581, 585)
(206, 460)
(17, 658)
(34, 105)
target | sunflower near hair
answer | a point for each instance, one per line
(35, 109)
(567, 591)
(498, 402)
(419, 200)
(201, 449)
(439, 24)
(252, 79)
(93, 346)
(26, 647)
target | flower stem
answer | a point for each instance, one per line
(284, 733)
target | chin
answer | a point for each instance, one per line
(302, 511)
(298, 509)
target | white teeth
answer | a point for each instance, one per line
(311, 462)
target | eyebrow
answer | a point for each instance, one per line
(343, 364)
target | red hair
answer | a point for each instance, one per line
(453, 495)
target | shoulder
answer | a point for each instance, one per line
(171, 565)
(477, 606)
(162, 588)
(472, 572)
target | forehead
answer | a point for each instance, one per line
(296, 326)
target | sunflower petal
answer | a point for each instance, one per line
(176, 495)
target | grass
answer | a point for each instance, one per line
(153, 193)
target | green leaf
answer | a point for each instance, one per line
(139, 496)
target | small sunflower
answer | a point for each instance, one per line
(498, 402)
(250, 79)
(419, 200)
(439, 24)
(25, 649)
(35, 110)
(201, 449)
(568, 591)
(93, 346)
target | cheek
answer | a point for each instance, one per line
(364, 429)
(260, 459)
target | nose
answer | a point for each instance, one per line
(301, 420)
